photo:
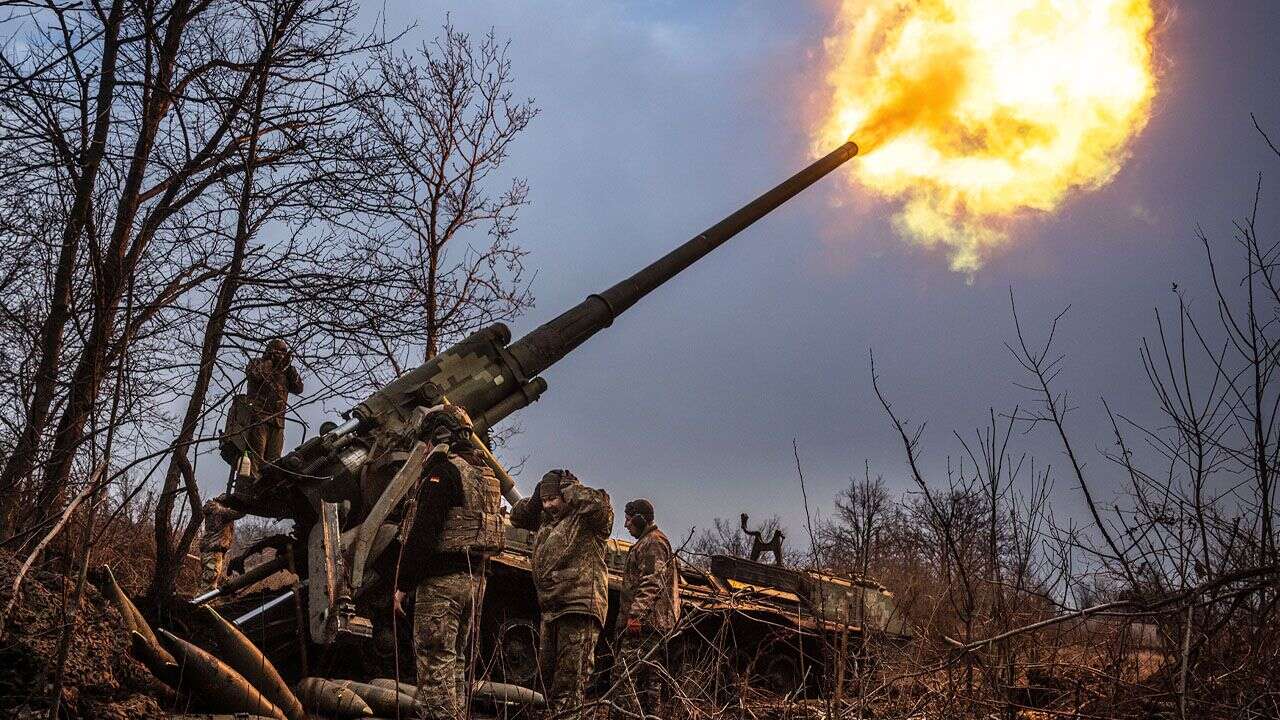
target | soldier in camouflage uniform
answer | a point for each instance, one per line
(647, 613)
(572, 523)
(456, 527)
(215, 541)
(270, 378)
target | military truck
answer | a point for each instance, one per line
(744, 622)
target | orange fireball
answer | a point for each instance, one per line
(972, 112)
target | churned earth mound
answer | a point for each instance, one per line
(100, 678)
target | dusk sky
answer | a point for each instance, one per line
(660, 118)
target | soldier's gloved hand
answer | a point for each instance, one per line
(633, 626)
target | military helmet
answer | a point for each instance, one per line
(447, 422)
(277, 345)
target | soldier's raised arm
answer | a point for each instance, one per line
(592, 504)
(527, 513)
(258, 370)
(293, 380)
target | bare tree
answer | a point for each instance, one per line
(164, 129)
(289, 44)
(850, 538)
(147, 149)
(437, 127)
(1164, 599)
(49, 106)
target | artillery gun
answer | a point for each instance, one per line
(486, 373)
(341, 524)
(317, 484)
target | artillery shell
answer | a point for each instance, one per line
(166, 671)
(215, 716)
(382, 700)
(323, 696)
(209, 679)
(245, 658)
(133, 619)
(391, 684)
(507, 693)
(121, 602)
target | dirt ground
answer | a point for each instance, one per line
(100, 679)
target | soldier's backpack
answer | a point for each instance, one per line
(233, 443)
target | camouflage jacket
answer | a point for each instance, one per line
(651, 584)
(569, 552)
(269, 386)
(219, 526)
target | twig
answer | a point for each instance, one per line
(1169, 602)
(1264, 135)
(808, 517)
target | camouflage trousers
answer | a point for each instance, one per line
(445, 611)
(213, 568)
(219, 533)
(266, 440)
(264, 443)
(636, 678)
(567, 653)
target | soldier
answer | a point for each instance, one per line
(456, 527)
(215, 542)
(572, 524)
(270, 378)
(647, 613)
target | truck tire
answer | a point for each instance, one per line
(515, 654)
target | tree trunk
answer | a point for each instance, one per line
(117, 264)
(23, 459)
(433, 301)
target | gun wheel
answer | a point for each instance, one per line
(516, 653)
(779, 674)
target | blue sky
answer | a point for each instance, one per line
(660, 118)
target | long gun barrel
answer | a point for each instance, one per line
(541, 348)
(491, 377)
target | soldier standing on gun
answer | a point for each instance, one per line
(647, 613)
(270, 379)
(456, 527)
(572, 524)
